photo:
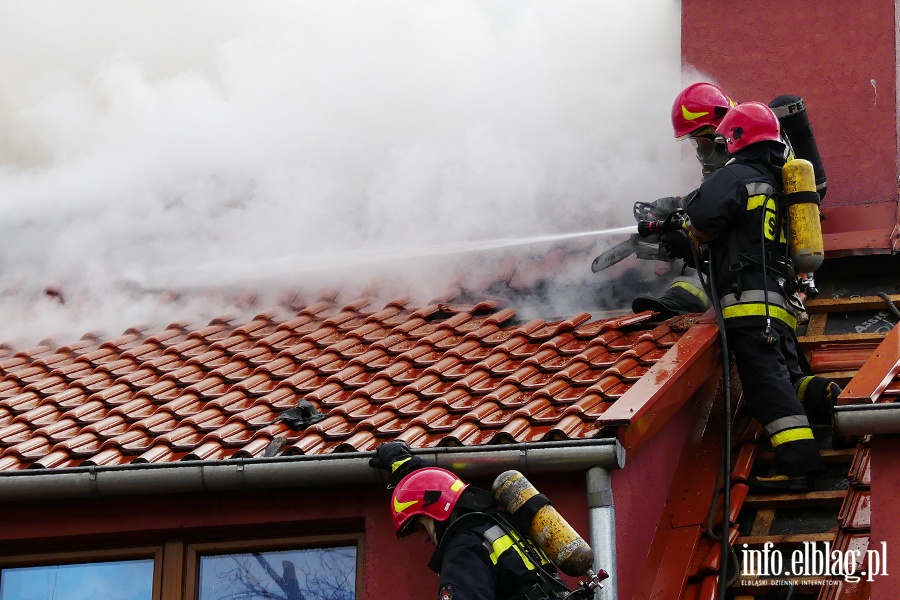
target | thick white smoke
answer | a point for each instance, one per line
(182, 146)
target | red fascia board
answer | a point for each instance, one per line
(860, 228)
(693, 490)
(876, 373)
(854, 243)
(666, 386)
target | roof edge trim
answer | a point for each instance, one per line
(300, 471)
(875, 374)
(672, 380)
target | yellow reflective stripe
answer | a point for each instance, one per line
(785, 423)
(804, 383)
(457, 485)
(750, 296)
(399, 507)
(759, 310)
(690, 116)
(754, 202)
(503, 544)
(791, 435)
(399, 463)
(692, 289)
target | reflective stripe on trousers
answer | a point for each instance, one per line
(752, 303)
(690, 287)
(789, 429)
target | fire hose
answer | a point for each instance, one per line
(675, 222)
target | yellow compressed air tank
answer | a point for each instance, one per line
(806, 245)
(549, 530)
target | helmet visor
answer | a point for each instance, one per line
(706, 146)
(408, 528)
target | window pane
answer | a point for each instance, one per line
(313, 574)
(119, 580)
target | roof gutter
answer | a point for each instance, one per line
(862, 419)
(300, 471)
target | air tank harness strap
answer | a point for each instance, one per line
(498, 540)
(541, 591)
(524, 516)
(779, 268)
(458, 525)
(804, 198)
(476, 506)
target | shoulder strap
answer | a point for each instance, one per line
(460, 524)
(758, 195)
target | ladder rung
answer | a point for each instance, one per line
(817, 340)
(787, 538)
(821, 498)
(858, 304)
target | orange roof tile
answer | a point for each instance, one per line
(434, 375)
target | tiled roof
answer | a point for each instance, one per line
(436, 375)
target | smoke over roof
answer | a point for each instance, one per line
(158, 150)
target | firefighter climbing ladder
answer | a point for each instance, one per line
(838, 517)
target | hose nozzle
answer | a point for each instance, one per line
(674, 222)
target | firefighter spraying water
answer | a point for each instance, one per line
(696, 112)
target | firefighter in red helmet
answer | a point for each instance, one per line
(479, 552)
(739, 214)
(696, 113)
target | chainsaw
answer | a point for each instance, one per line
(645, 247)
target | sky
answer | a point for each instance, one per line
(158, 158)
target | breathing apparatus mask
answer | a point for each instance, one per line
(710, 150)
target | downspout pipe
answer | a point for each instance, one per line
(602, 522)
(300, 471)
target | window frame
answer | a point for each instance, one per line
(194, 551)
(176, 561)
(74, 557)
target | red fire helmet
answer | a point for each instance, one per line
(430, 491)
(749, 123)
(699, 105)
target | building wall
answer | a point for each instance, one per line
(641, 490)
(841, 58)
(391, 569)
(885, 524)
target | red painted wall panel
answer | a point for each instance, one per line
(829, 52)
(885, 518)
(392, 569)
(640, 491)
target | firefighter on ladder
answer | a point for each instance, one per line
(696, 113)
(739, 214)
(479, 554)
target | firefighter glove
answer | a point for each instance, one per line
(678, 245)
(396, 458)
